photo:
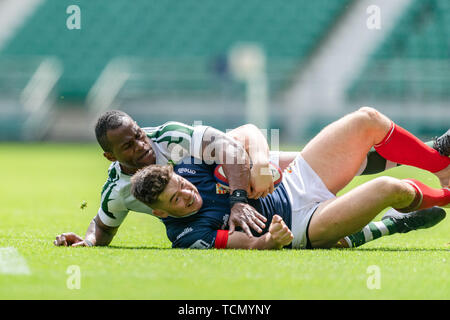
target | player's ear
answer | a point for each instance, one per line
(109, 156)
(160, 213)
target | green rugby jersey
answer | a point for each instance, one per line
(171, 141)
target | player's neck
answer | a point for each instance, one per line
(127, 170)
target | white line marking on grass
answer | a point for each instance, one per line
(12, 262)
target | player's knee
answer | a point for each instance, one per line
(391, 187)
(323, 235)
(369, 120)
(368, 115)
(369, 111)
(386, 183)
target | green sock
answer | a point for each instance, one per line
(372, 231)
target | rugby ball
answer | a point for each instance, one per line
(277, 175)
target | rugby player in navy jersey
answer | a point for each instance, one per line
(196, 216)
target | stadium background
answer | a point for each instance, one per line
(172, 60)
(292, 65)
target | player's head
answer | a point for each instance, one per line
(123, 140)
(167, 193)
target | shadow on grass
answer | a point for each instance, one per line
(398, 249)
(394, 249)
(138, 248)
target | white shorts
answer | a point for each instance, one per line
(306, 191)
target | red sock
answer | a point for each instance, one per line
(427, 197)
(403, 147)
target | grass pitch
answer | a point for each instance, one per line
(44, 186)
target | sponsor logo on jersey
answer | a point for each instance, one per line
(186, 170)
(185, 232)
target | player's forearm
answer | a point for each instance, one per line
(238, 176)
(254, 143)
(239, 240)
(222, 149)
(97, 235)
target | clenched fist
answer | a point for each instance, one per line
(280, 233)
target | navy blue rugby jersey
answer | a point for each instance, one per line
(200, 230)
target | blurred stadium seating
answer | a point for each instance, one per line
(27, 97)
(181, 45)
(413, 63)
(168, 60)
(167, 29)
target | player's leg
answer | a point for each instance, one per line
(394, 222)
(348, 214)
(337, 153)
(402, 147)
(375, 163)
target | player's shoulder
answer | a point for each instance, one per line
(114, 171)
(116, 179)
(195, 171)
(192, 166)
(167, 128)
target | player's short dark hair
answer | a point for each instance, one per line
(149, 182)
(109, 120)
